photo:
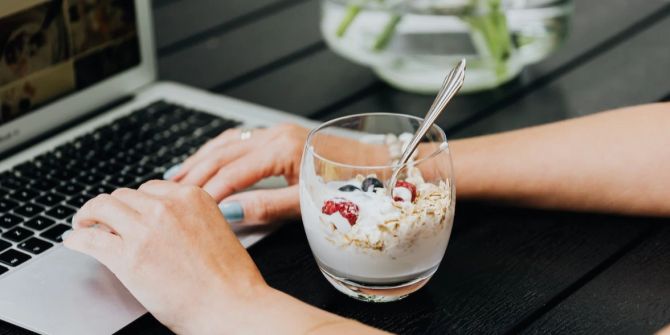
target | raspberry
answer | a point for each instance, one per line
(347, 209)
(329, 207)
(407, 185)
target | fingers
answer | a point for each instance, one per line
(108, 210)
(99, 244)
(262, 206)
(224, 140)
(215, 160)
(239, 175)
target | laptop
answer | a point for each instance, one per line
(82, 114)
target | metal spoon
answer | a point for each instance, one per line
(452, 83)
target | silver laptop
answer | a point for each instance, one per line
(62, 62)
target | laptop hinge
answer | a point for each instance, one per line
(70, 124)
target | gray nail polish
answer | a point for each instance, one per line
(66, 234)
(232, 211)
(171, 172)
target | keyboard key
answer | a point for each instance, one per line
(30, 170)
(13, 182)
(35, 245)
(44, 184)
(62, 175)
(141, 170)
(39, 223)
(17, 234)
(110, 168)
(79, 200)
(121, 180)
(29, 210)
(9, 220)
(3, 269)
(101, 188)
(68, 220)
(13, 257)
(24, 194)
(55, 233)
(70, 188)
(4, 245)
(6, 205)
(50, 199)
(158, 107)
(60, 212)
(91, 178)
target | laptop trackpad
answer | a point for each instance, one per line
(65, 292)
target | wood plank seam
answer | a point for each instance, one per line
(582, 281)
(348, 100)
(269, 67)
(235, 23)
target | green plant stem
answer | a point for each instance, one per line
(388, 32)
(352, 12)
(493, 28)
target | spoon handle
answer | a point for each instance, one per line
(452, 83)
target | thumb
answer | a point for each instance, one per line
(262, 206)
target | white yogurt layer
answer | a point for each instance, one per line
(391, 241)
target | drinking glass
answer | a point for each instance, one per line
(371, 241)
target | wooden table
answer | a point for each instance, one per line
(506, 270)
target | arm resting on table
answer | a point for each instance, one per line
(617, 162)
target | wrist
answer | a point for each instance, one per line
(223, 309)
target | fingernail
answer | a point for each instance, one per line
(232, 211)
(66, 234)
(171, 172)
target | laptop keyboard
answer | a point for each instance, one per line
(39, 197)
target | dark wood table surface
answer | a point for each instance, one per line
(506, 270)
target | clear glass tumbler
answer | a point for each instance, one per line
(374, 242)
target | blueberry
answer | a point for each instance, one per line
(371, 182)
(349, 188)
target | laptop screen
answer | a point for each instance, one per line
(53, 48)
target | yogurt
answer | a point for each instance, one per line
(370, 237)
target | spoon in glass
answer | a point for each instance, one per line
(452, 83)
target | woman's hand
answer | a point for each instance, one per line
(172, 249)
(228, 164)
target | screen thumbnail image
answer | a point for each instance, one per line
(31, 39)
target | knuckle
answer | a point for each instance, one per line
(161, 208)
(149, 184)
(190, 191)
(97, 202)
(210, 164)
(119, 192)
(263, 208)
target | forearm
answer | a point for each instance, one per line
(616, 162)
(274, 312)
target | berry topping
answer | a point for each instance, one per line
(349, 188)
(402, 194)
(347, 209)
(407, 185)
(371, 182)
